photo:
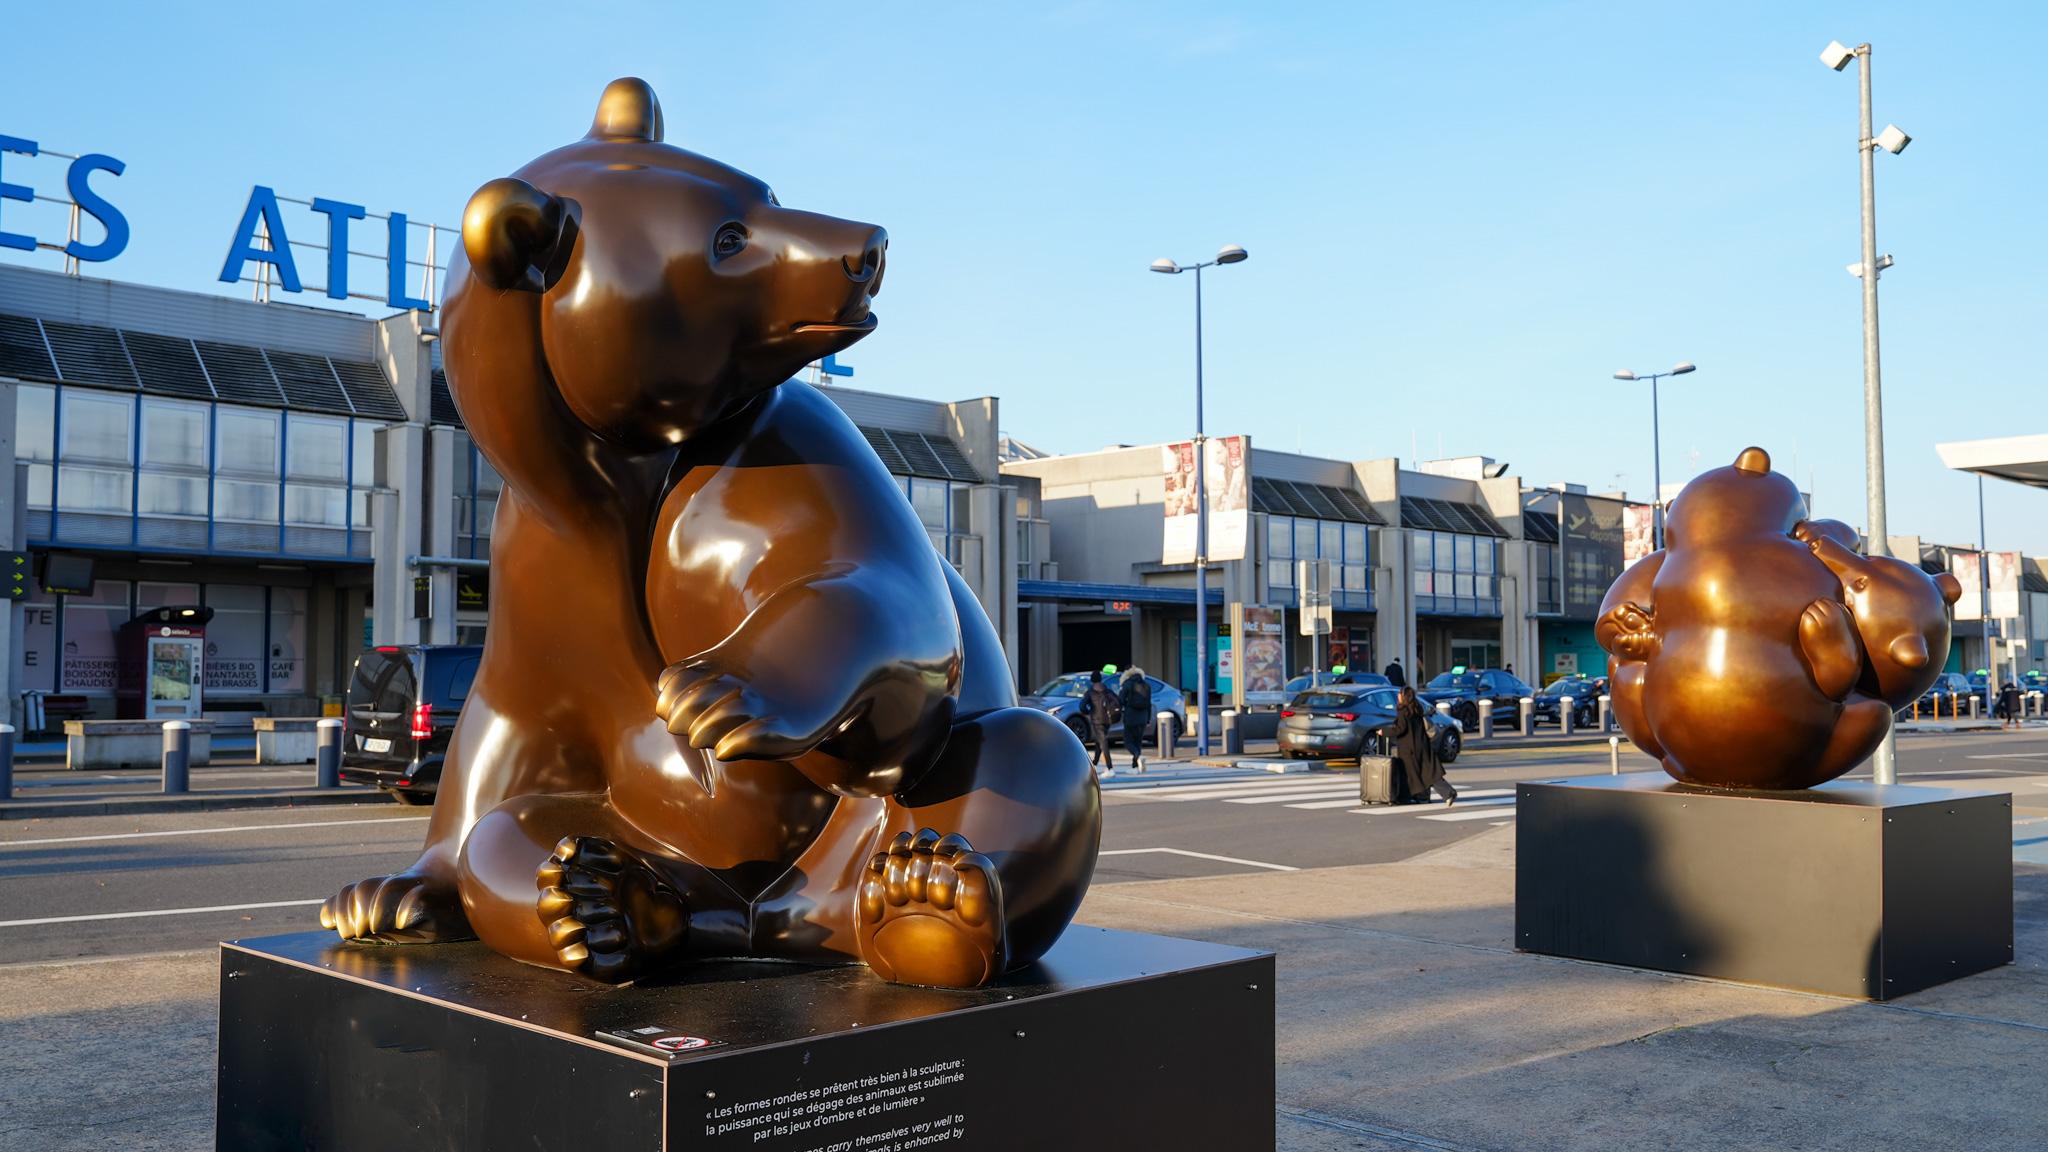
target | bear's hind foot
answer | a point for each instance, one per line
(608, 913)
(931, 912)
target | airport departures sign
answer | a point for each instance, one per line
(260, 237)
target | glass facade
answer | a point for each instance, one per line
(1346, 545)
(936, 503)
(477, 486)
(1455, 574)
(1544, 573)
(153, 473)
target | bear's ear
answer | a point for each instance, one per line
(517, 236)
(1951, 588)
(627, 111)
(1754, 460)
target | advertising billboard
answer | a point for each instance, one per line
(1229, 483)
(1592, 538)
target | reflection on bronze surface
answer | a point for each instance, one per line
(731, 702)
(1759, 649)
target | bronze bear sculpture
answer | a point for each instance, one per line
(1758, 649)
(732, 703)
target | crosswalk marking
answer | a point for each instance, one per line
(1306, 794)
(1324, 792)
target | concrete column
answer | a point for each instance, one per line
(438, 539)
(988, 565)
(1394, 599)
(13, 533)
(397, 531)
(407, 357)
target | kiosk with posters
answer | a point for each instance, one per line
(161, 653)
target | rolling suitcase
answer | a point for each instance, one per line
(1376, 779)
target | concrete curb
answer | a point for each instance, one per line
(192, 802)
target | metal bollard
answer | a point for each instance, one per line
(1567, 714)
(1614, 755)
(327, 753)
(1485, 718)
(6, 761)
(1976, 708)
(1607, 713)
(1443, 709)
(177, 756)
(1233, 736)
(1528, 715)
(1166, 726)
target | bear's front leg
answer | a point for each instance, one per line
(837, 665)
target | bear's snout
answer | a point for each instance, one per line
(864, 265)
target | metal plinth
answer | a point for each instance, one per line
(1113, 1041)
(1850, 889)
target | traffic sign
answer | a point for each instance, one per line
(17, 575)
(1312, 578)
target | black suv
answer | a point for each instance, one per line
(401, 708)
(1463, 689)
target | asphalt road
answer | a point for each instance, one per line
(118, 886)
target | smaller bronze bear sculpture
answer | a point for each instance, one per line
(1758, 649)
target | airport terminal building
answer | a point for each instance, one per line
(302, 474)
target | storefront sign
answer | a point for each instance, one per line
(233, 675)
(261, 236)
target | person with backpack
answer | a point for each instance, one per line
(1101, 707)
(1134, 693)
(2009, 703)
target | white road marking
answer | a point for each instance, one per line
(156, 912)
(1478, 813)
(1988, 756)
(1404, 809)
(1299, 794)
(1174, 852)
(5, 844)
(1231, 787)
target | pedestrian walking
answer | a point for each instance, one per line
(1394, 674)
(2009, 703)
(1415, 748)
(1135, 695)
(1101, 706)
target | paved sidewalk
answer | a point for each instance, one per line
(44, 791)
(1405, 1021)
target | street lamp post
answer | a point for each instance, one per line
(1884, 765)
(1656, 447)
(1230, 254)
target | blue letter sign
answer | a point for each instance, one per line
(92, 204)
(338, 215)
(395, 266)
(17, 192)
(262, 206)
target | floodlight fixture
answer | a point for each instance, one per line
(1892, 140)
(1835, 56)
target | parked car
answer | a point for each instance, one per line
(1946, 685)
(1305, 681)
(1344, 721)
(1464, 689)
(400, 710)
(1061, 696)
(1584, 692)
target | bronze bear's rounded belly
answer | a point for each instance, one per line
(1757, 649)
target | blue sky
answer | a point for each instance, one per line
(1462, 218)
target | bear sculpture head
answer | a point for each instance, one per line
(672, 288)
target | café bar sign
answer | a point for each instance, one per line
(260, 236)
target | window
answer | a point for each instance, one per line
(35, 438)
(287, 669)
(1454, 572)
(1280, 551)
(1357, 572)
(932, 503)
(234, 639)
(363, 447)
(316, 476)
(245, 485)
(96, 461)
(175, 437)
(90, 624)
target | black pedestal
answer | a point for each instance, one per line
(1849, 889)
(1113, 1041)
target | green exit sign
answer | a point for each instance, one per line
(17, 575)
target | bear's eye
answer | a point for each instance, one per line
(729, 241)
